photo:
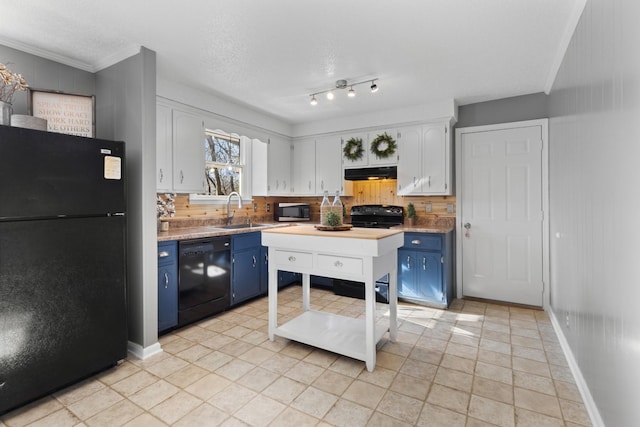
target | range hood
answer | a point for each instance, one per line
(361, 174)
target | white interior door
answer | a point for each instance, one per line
(501, 212)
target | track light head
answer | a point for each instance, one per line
(314, 101)
(374, 86)
(351, 93)
(329, 95)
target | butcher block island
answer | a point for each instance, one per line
(359, 254)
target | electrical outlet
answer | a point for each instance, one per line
(268, 207)
(449, 207)
(567, 320)
(427, 207)
(255, 207)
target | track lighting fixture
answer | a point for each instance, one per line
(343, 84)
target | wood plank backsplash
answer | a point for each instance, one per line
(364, 192)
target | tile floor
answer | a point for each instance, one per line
(476, 364)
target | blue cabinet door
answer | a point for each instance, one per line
(247, 267)
(407, 274)
(264, 270)
(167, 285)
(429, 276)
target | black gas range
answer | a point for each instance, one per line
(370, 216)
(376, 216)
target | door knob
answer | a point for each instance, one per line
(467, 226)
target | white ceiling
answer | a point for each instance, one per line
(272, 54)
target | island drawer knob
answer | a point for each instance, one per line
(337, 264)
(292, 258)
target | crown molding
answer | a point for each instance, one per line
(103, 63)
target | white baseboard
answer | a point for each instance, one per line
(139, 352)
(589, 403)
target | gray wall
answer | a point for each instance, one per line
(44, 74)
(506, 110)
(594, 108)
(126, 104)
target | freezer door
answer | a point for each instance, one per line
(62, 303)
(46, 174)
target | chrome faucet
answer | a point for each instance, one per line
(229, 214)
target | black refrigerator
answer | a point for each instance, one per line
(62, 261)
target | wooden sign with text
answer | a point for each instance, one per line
(65, 113)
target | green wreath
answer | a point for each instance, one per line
(353, 149)
(383, 146)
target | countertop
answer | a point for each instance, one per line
(353, 233)
(184, 233)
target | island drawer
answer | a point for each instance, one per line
(340, 264)
(294, 259)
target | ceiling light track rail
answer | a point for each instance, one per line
(343, 84)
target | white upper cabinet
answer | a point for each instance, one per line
(179, 150)
(356, 142)
(164, 157)
(303, 168)
(424, 164)
(271, 167)
(279, 167)
(188, 153)
(392, 158)
(328, 156)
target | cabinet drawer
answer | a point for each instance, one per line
(167, 252)
(423, 241)
(245, 240)
(340, 264)
(294, 259)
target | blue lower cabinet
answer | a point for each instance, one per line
(425, 269)
(167, 285)
(246, 267)
(286, 278)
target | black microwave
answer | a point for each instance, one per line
(291, 212)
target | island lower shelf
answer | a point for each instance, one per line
(332, 332)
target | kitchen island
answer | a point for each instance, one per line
(360, 254)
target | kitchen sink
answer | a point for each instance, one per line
(239, 226)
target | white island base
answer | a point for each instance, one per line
(360, 254)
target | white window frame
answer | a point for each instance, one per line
(245, 175)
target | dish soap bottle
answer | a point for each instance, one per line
(337, 207)
(325, 207)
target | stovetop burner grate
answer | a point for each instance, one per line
(376, 216)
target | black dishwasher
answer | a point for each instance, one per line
(204, 278)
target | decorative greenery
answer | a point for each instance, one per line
(332, 219)
(353, 149)
(383, 146)
(411, 211)
(10, 82)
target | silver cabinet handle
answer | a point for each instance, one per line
(408, 261)
(415, 242)
(181, 177)
(338, 264)
(163, 254)
(322, 184)
(309, 184)
(254, 261)
(429, 180)
(424, 262)
(292, 258)
(166, 280)
(266, 258)
(161, 175)
(467, 226)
